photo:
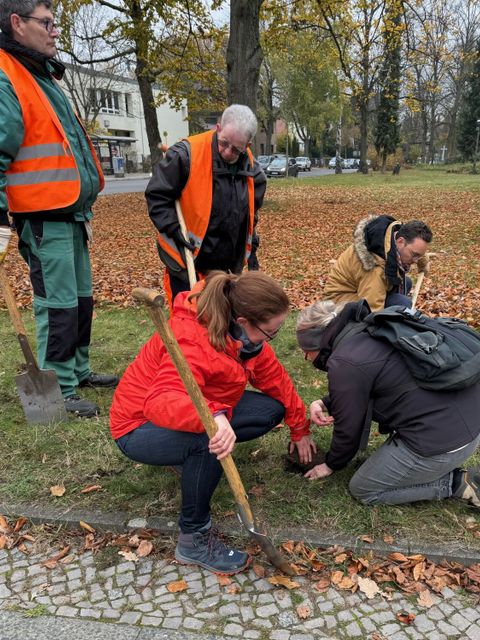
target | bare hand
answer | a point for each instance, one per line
(306, 448)
(319, 414)
(223, 441)
(320, 471)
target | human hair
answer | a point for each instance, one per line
(318, 314)
(241, 118)
(21, 8)
(414, 229)
(252, 295)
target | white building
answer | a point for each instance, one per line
(120, 136)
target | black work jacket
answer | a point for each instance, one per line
(428, 422)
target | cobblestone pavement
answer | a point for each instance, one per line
(127, 593)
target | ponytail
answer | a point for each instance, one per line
(226, 296)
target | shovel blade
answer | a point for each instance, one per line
(41, 397)
(267, 546)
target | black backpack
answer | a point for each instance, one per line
(442, 354)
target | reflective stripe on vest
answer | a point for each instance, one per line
(44, 175)
(196, 198)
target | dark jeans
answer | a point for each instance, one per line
(402, 299)
(255, 415)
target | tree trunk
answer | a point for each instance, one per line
(150, 113)
(244, 53)
(363, 135)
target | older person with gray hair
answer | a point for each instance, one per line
(220, 188)
(430, 433)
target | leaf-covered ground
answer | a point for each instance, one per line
(302, 227)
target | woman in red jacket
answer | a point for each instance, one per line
(223, 328)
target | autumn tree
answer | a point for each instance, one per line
(469, 121)
(355, 28)
(387, 133)
(168, 43)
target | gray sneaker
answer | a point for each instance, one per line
(205, 548)
(469, 488)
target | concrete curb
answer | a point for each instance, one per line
(121, 521)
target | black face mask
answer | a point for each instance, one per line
(249, 349)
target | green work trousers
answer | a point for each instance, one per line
(57, 255)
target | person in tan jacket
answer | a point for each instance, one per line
(376, 264)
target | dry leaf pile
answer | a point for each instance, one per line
(301, 228)
(322, 568)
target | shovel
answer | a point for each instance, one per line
(38, 389)
(154, 302)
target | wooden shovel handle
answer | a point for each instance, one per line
(154, 303)
(418, 284)
(192, 276)
(16, 319)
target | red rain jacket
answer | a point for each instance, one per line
(151, 389)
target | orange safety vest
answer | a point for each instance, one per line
(196, 198)
(44, 174)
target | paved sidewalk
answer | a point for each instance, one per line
(105, 597)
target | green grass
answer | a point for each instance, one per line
(81, 452)
(426, 178)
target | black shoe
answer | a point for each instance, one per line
(105, 380)
(81, 407)
(469, 488)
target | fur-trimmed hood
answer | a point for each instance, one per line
(372, 239)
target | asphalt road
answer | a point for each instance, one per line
(137, 184)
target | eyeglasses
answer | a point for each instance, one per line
(225, 145)
(48, 24)
(269, 336)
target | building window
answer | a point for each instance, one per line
(128, 104)
(107, 101)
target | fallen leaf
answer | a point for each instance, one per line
(223, 580)
(336, 577)
(283, 581)
(233, 588)
(144, 549)
(67, 559)
(52, 562)
(388, 539)
(259, 570)
(175, 587)
(304, 611)
(368, 586)
(4, 526)
(90, 488)
(288, 546)
(397, 557)
(418, 570)
(340, 559)
(368, 539)
(57, 490)
(3, 541)
(406, 618)
(20, 523)
(322, 584)
(128, 555)
(425, 599)
(257, 491)
(87, 527)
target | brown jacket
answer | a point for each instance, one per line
(359, 273)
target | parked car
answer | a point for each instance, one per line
(333, 163)
(351, 163)
(276, 169)
(264, 161)
(304, 163)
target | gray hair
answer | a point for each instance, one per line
(241, 118)
(21, 8)
(318, 314)
(312, 321)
